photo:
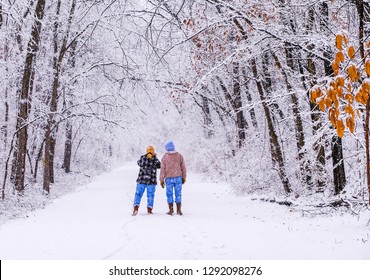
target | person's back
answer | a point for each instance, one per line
(173, 173)
(147, 179)
(148, 169)
(173, 165)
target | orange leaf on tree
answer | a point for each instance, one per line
(335, 67)
(367, 67)
(340, 81)
(321, 104)
(340, 128)
(338, 42)
(350, 122)
(339, 57)
(351, 52)
(352, 72)
(349, 97)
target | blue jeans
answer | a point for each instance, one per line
(174, 184)
(140, 189)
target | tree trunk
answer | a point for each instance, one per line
(1, 15)
(19, 162)
(4, 127)
(204, 104)
(367, 117)
(207, 116)
(338, 168)
(49, 134)
(68, 148)
(267, 85)
(38, 158)
(276, 151)
(339, 173)
(51, 127)
(241, 123)
(315, 118)
(361, 25)
(363, 10)
(67, 158)
(252, 112)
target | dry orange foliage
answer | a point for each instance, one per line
(353, 73)
(351, 52)
(339, 57)
(339, 41)
(367, 67)
(346, 90)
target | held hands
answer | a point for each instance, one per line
(162, 184)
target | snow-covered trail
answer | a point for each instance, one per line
(95, 222)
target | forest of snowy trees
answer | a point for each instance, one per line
(236, 84)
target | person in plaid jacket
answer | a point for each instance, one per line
(147, 179)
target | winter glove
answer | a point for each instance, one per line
(162, 184)
(150, 155)
(183, 180)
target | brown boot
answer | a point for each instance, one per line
(136, 209)
(179, 209)
(150, 211)
(170, 206)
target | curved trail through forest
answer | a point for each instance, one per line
(95, 222)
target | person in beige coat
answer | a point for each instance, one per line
(173, 176)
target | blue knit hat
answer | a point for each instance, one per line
(170, 146)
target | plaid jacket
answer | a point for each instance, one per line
(148, 170)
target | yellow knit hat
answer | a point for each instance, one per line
(150, 151)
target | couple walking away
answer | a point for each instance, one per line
(172, 176)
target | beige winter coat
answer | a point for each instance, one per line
(172, 165)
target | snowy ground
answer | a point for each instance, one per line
(95, 223)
